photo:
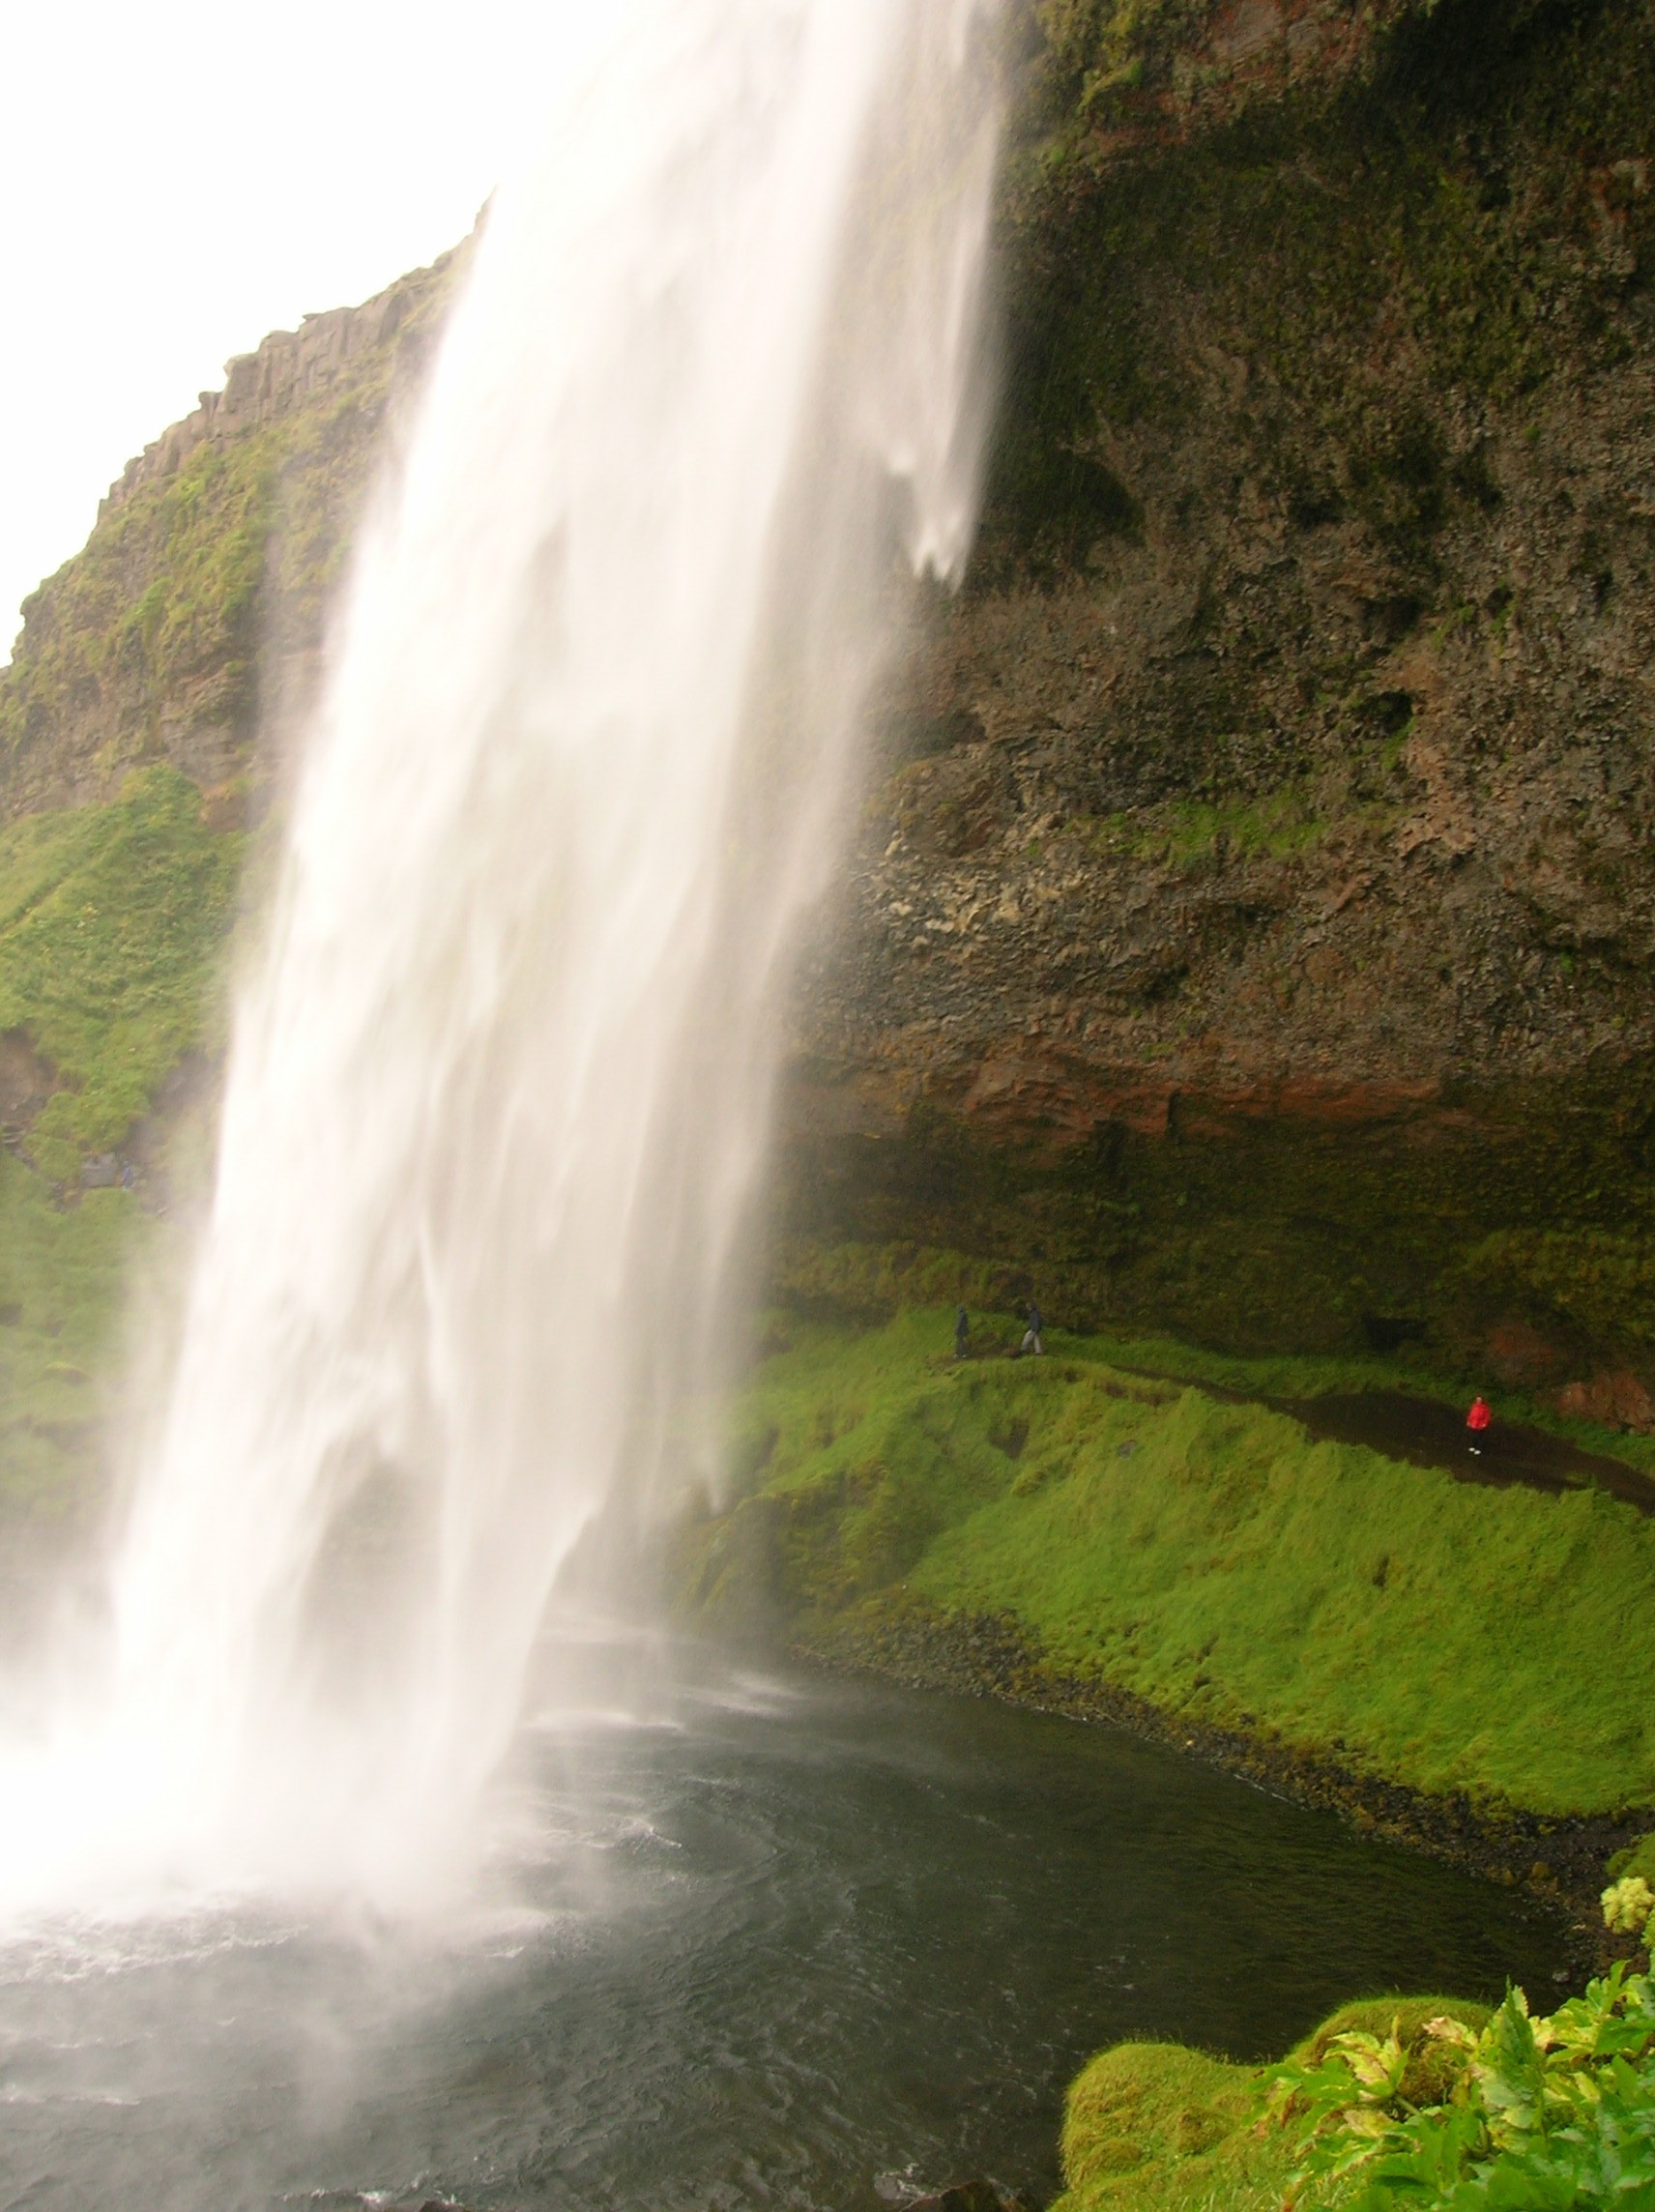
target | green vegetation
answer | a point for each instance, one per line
(1159, 2128)
(63, 1270)
(1521, 2114)
(1100, 50)
(160, 609)
(156, 632)
(1603, 1283)
(1636, 1861)
(1280, 824)
(1417, 2101)
(1205, 1556)
(115, 918)
(862, 1283)
(112, 926)
(113, 930)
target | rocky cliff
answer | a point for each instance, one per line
(188, 628)
(1250, 925)
(1253, 933)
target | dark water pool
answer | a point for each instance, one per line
(762, 1941)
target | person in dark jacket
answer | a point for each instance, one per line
(1031, 1340)
(962, 1333)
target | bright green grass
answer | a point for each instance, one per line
(1160, 2128)
(112, 925)
(1227, 1567)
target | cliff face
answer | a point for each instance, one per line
(191, 623)
(1254, 932)
(1250, 927)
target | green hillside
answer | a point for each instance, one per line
(1200, 1554)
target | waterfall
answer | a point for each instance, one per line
(501, 1078)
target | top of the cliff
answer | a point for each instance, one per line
(286, 371)
(193, 615)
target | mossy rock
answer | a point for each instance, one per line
(1149, 2104)
(1432, 2065)
(1638, 1859)
(1162, 2128)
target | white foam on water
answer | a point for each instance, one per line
(501, 1081)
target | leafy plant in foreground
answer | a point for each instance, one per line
(1547, 2114)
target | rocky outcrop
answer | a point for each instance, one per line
(289, 371)
(189, 628)
(1268, 829)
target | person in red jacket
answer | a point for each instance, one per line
(1477, 1422)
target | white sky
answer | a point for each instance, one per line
(177, 178)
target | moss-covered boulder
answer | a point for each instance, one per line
(1161, 2127)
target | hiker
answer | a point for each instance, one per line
(1031, 1342)
(962, 1333)
(1477, 1422)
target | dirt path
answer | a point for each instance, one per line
(1426, 1433)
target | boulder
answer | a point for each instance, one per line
(1619, 1401)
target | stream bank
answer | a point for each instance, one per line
(1560, 1860)
(1428, 1656)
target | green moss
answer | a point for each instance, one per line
(112, 924)
(1603, 1283)
(1160, 2128)
(112, 928)
(855, 1283)
(1222, 1566)
(160, 626)
(1639, 1859)
(1100, 49)
(1280, 825)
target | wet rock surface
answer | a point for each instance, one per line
(1313, 773)
(1278, 790)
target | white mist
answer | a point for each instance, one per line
(500, 1087)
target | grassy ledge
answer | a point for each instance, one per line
(1208, 1559)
